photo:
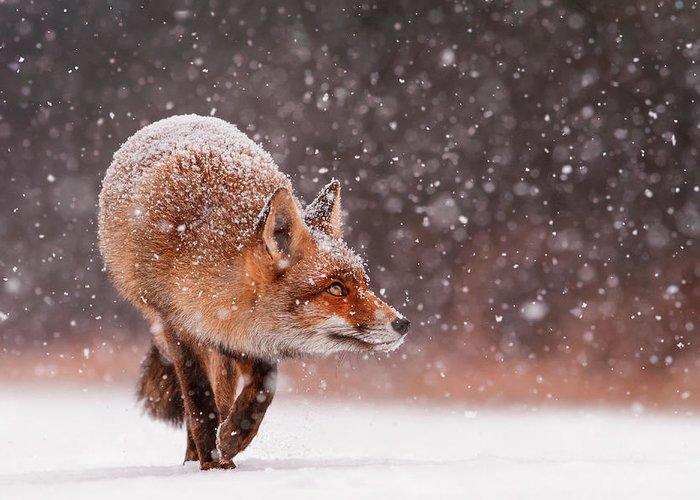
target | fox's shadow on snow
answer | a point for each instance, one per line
(252, 465)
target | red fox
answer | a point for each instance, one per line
(200, 231)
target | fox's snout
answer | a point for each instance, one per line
(392, 336)
(401, 325)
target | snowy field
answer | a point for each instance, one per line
(63, 444)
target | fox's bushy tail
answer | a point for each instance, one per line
(159, 390)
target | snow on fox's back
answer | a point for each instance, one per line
(175, 154)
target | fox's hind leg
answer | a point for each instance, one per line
(200, 409)
(191, 452)
(159, 391)
(242, 423)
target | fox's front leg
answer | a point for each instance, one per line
(200, 410)
(242, 424)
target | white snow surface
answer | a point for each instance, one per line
(68, 444)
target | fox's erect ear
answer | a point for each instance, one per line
(324, 212)
(282, 229)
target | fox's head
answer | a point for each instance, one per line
(311, 293)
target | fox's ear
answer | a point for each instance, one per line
(324, 212)
(282, 230)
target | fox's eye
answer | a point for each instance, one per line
(336, 288)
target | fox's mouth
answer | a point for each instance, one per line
(388, 345)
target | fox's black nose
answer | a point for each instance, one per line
(400, 325)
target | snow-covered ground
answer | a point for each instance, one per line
(61, 443)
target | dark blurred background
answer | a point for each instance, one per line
(521, 176)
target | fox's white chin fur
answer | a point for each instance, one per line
(332, 335)
(337, 335)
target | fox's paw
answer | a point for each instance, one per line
(222, 463)
(229, 443)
